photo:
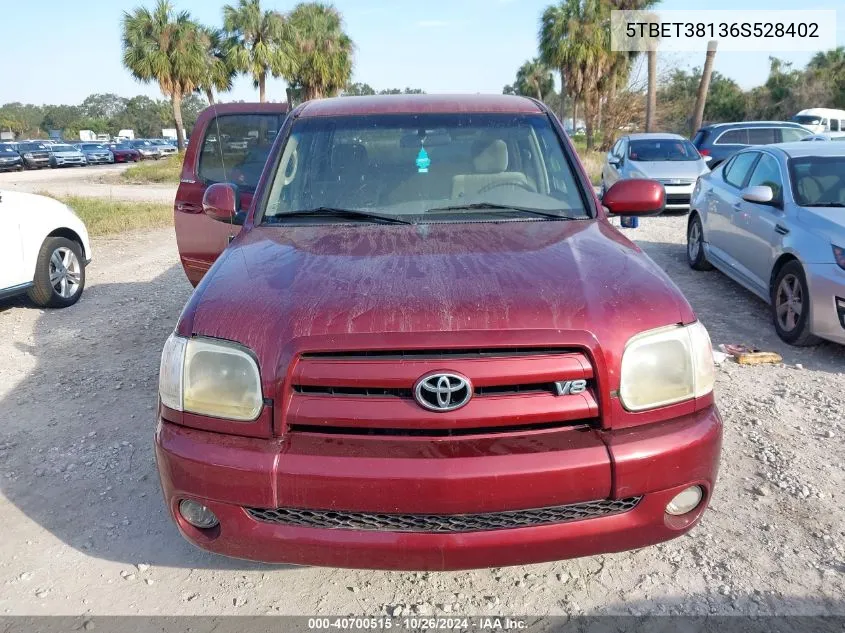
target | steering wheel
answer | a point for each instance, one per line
(506, 183)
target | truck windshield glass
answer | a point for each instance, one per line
(662, 149)
(807, 119)
(413, 164)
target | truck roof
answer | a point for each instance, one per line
(419, 104)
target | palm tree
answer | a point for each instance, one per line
(534, 78)
(166, 47)
(258, 43)
(322, 51)
(703, 87)
(556, 25)
(219, 72)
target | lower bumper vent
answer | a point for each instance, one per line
(443, 523)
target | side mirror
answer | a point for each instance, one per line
(761, 194)
(614, 160)
(221, 202)
(635, 197)
(707, 159)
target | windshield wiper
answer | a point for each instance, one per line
(489, 206)
(827, 204)
(349, 214)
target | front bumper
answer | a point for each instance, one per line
(229, 474)
(827, 289)
(14, 165)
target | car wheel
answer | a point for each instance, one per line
(791, 306)
(696, 258)
(59, 274)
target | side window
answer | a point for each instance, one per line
(614, 151)
(790, 134)
(834, 125)
(236, 147)
(761, 136)
(699, 138)
(767, 172)
(623, 148)
(734, 137)
(736, 172)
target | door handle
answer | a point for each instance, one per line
(780, 228)
(737, 206)
(188, 207)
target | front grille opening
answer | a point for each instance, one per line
(434, 433)
(439, 354)
(547, 387)
(443, 523)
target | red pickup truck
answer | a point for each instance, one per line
(428, 348)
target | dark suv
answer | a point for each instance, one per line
(722, 140)
(35, 155)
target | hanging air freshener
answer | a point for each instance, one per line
(423, 161)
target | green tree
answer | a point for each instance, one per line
(219, 72)
(104, 106)
(165, 47)
(358, 89)
(322, 51)
(534, 79)
(829, 66)
(557, 24)
(258, 43)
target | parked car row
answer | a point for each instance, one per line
(15, 156)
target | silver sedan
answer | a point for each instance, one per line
(772, 218)
(667, 158)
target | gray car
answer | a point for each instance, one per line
(96, 153)
(668, 158)
(62, 155)
(772, 218)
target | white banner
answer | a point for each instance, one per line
(734, 30)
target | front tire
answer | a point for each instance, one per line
(59, 274)
(791, 306)
(696, 258)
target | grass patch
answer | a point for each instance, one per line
(164, 170)
(106, 217)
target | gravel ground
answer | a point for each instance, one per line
(96, 181)
(85, 530)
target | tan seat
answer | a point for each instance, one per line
(809, 189)
(490, 160)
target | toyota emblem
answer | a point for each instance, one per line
(442, 391)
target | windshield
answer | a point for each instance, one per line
(5, 149)
(31, 147)
(92, 146)
(425, 163)
(63, 148)
(807, 119)
(662, 149)
(818, 180)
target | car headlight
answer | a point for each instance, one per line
(665, 366)
(839, 256)
(210, 377)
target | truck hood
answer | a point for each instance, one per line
(276, 287)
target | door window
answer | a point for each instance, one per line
(761, 136)
(834, 125)
(734, 137)
(737, 170)
(236, 146)
(790, 134)
(767, 173)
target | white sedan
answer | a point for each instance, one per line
(44, 249)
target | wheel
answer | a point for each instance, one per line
(59, 274)
(696, 258)
(791, 306)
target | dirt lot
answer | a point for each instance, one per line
(85, 530)
(98, 181)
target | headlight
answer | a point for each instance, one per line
(665, 366)
(839, 256)
(210, 377)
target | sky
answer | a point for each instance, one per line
(436, 45)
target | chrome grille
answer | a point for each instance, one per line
(442, 523)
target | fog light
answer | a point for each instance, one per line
(197, 514)
(685, 501)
